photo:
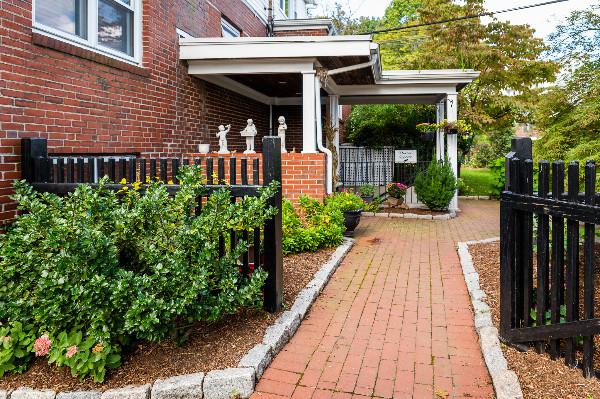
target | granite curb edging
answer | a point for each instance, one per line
(236, 382)
(505, 381)
(478, 197)
(408, 215)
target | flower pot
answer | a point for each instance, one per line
(351, 221)
(394, 202)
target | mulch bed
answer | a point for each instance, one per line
(211, 346)
(540, 376)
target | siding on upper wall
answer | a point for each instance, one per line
(84, 102)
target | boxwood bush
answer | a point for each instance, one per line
(436, 185)
(83, 275)
(311, 226)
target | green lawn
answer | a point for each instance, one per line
(477, 181)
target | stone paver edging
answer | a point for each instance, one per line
(506, 383)
(477, 197)
(446, 216)
(217, 384)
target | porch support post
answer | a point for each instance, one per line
(309, 132)
(334, 123)
(452, 116)
(440, 150)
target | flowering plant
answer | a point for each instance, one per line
(396, 190)
(346, 201)
(460, 126)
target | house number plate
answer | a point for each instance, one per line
(405, 156)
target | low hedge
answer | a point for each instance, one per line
(84, 275)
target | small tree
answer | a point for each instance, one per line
(436, 185)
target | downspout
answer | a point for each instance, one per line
(326, 151)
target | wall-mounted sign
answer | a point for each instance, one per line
(405, 156)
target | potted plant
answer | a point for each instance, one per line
(460, 127)
(351, 206)
(367, 192)
(396, 192)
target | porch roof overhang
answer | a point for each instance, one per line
(269, 70)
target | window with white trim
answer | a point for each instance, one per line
(182, 34)
(112, 27)
(285, 6)
(228, 30)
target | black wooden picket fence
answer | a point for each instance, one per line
(555, 314)
(61, 174)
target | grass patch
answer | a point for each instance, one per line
(478, 181)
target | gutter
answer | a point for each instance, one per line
(326, 151)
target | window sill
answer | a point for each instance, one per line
(43, 40)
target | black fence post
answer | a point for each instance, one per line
(520, 147)
(32, 148)
(273, 255)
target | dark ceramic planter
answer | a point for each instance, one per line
(351, 221)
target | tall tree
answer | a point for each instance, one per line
(508, 57)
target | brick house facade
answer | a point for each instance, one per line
(85, 102)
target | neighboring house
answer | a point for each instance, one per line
(157, 77)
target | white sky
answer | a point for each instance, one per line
(543, 19)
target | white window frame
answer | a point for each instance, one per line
(91, 43)
(226, 25)
(283, 10)
(182, 34)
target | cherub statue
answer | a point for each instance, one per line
(222, 135)
(249, 133)
(281, 132)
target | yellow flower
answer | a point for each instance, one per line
(148, 179)
(98, 348)
(170, 182)
(123, 181)
(137, 185)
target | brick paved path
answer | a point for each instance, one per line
(395, 319)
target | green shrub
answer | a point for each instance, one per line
(498, 168)
(366, 190)
(436, 185)
(345, 201)
(311, 226)
(115, 267)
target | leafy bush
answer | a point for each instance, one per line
(345, 202)
(498, 168)
(482, 155)
(373, 206)
(107, 268)
(436, 185)
(311, 226)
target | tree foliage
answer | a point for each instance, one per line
(569, 113)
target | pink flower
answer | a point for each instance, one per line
(6, 339)
(71, 352)
(42, 345)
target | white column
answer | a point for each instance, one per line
(440, 150)
(452, 116)
(309, 132)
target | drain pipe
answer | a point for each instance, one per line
(328, 154)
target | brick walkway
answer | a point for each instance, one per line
(395, 319)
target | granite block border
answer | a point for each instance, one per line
(505, 381)
(408, 215)
(236, 382)
(478, 197)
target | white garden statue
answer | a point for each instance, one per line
(281, 130)
(222, 135)
(249, 133)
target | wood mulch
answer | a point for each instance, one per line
(211, 346)
(540, 376)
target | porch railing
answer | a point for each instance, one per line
(542, 304)
(61, 174)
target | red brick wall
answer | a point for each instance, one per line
(86, 103)
(302, 174)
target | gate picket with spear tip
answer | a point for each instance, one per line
(549, 313)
